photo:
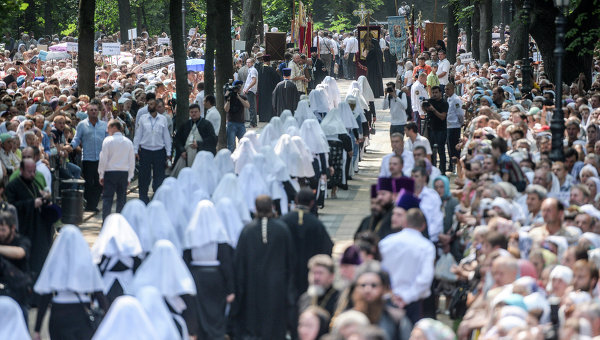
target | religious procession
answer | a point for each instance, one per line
(424, 170)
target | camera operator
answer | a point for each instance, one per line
(437, 109)
(235, 103)
(395, 100)
(15, 280)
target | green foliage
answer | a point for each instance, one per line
(107, 16)
(340, 24)
(69, 30)
(277, 13)
(580, 36)
(13, 8)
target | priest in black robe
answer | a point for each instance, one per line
(264, 306)
(285, 95)
(267, 80)
(308, 235)
(319, 71)
(205, 129)
(375, 68)
(389, 62)
(23, 193)
(380, 223)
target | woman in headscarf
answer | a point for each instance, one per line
(243, 154)
(126, 320)
(232, 222)
(340, 145)
(229, 187)
(165, 269)
(367, 92)
(159, 227)
(224, 163)
(13, 322)
(351, 125)
(332, 91)
(319, 103)
(303, 111)
(209, 256)
(269, 135)
(441, 184)
(204, 168)
(67, 280)
(117, 252)
(316, 141)
(430, 329)
(158, 313)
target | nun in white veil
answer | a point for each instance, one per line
(303, 112)
(363, 130)
(290, 122)
(232, 222)
(340, 146)
(243, 154)
(172, 198)
(332, 90)
(159, 227)
(188, 181)
(253, 137)
(229, 187)
(158, 313)
(275, 183)
(117, 252)
(269, 135)
(285, 114)
(67, 280)
(254, 185)
(293, 158)
(313, 136)
(209, 256)
(224, 163)
(165, 269)
(277, 123)
(13, 321)
(319, 103)
(134, 212)
(367, 92)
(126, 320)
(204, 167)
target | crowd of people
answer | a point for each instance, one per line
(469, 216)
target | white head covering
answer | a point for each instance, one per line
(243, 154)
(253, 186)
(13, 323)
(116, 239)
(318, 100)
(155, 307)
(224, 163)
(332, 90)
(159, 227)
(307, 157)
(274, 164)
(290, 122)
(590, 168)
(365, 89)
(253, 137)
(269, 135)
(285, 114)
(134, 212)
(229, 187)
(563, 273)
(355, 91)
(164, 269)
(69, 266)
(126, 320)
(293, 131)
(332, 124)
(535, 301)
(232, 222)
(188, 181)
(303, 111)
(205, 227)
(173, 201)
(313, 136)
(290, 155)
(204, 167)
(277, 123)
(347, 116)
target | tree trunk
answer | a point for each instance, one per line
(251, 16)
(452, 33)
(468, 30)
(475, 19)
(515, 52)
(124, 19)
(179, 54)
(48, 23)
(224, 62)
(211, 41)
(138, 18)
(86, 68)
(485, 30)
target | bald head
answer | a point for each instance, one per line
(264, 206)
(505, 270)
(27, 169)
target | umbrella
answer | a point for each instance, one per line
(57, 55)
(58, 48)
(195, 65)
(68, 73)
(157, 63)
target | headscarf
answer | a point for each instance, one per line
(159, 227)
(365, 89)
(290, 122)
(224, 163)
(332, 90)
(332, 124)
(158, 313)
(285, 114)
(446, 182)
(435, 330)
(269, 135)
(253, 137)
(229, 187)
(116, 239)
(313, 136)
(13, 323)
(172, 198)
(134, 212)
(318, 100)
(277, 123)
(126, 320)
(303, 112)
(204, 168)
(205, 227)
(69, 266)
(254, 185)
(347, 116)
(232, 222)
(293, 157)
(243, 154)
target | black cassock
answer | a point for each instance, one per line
(264, 306)
(389, 64)
(318, 74)
(22, 194)
(380, 225)
(375, 69)
(310, 238)
(285, 97)
(267, 80)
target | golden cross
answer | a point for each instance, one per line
(362, 13)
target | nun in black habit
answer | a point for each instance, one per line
(267, 80)
(375, 68)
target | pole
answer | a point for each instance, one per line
(502, 21)
(557, 126)
(526, 67)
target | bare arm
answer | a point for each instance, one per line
(12, 252)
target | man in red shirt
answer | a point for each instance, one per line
(421, 66)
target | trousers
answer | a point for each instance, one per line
(92, 188)
(114, 182)
(152, 168)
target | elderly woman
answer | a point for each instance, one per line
(429, 329)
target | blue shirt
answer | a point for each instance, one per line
(90, 138)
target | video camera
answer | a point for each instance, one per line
(424, 103)
(232, 89)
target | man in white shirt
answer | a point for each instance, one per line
(398, 149)
(414, 139)
(454, 120)
(116, 167)
(325, 51)
(351, 50)
(152, 146)
(212, 114)
(418, 91)
(200, 97)
(395, 100)
(408, 257)
(250, 89)
(431, 203)
(42, 168)
(443, 69)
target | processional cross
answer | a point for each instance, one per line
(363, 13)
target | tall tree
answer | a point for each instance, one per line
(467, 24)
(48, 22)
(179, 53)
(251, 17)
(124, 19)
(211, 41)
(475, 24)
(224, 66)
(515, 52)
(452, 31)
(86, 69)
(485, 30)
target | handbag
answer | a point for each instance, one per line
(458, 301)
(94, 314)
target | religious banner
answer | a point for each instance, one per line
(434, 31)
(397, 29)
(365, 34)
